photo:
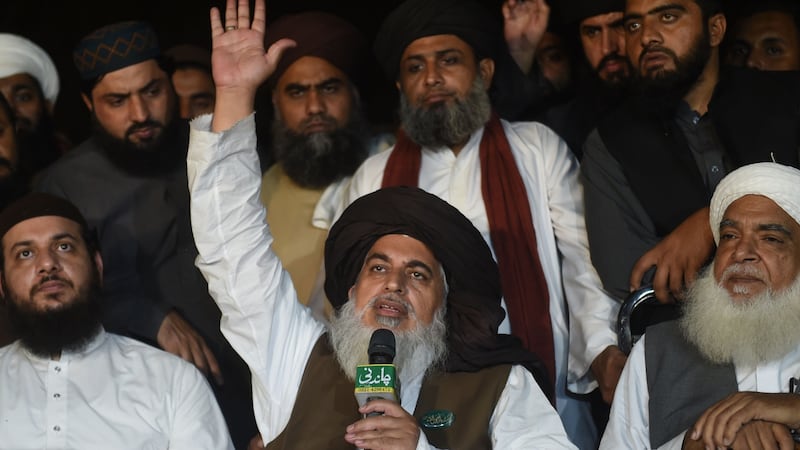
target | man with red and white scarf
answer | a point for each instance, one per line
(516, 182)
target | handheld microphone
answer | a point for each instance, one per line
(378, 379)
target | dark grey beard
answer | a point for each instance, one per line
(443, 125)
(318, 159)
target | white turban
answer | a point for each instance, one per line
(779, 183)
(20, 55)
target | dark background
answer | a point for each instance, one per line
(57, 25)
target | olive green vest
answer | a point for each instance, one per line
(325, 405)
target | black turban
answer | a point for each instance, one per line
(39, 204)
(114, 47)
(579, 10)
(474, 312)
(322, 35)
(414, 19)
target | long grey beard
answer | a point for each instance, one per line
(447, 125)
(417, 350)
(763, 329)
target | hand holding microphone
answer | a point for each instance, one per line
(388, 425)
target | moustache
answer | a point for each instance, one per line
(48, 278)
(739, 270)
(142, 125)
(392, 298)
(613, 57)
(656, 49)
(318, 119)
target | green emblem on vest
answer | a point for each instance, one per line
(438, 418)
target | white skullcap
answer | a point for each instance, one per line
(779, 183)
(20, 55)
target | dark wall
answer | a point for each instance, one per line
(57, 25)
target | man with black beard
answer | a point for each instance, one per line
(319, 138)
(129, 181)
(30, 83)
(67, 383)
(603, 82)
(516, 181)
(724, 375)
(650, 167)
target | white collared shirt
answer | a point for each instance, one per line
(116, 393)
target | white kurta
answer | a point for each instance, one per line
(550, 173)
(262, 318)
(116, 393)
(629, 421)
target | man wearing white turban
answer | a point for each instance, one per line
(723, 375)
(29, 81)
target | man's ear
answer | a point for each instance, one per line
(98, 261)
(88, 102)
(48, 105)
(486, 69)
(717, 25)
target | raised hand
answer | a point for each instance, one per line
(239, 62)
(524, 24)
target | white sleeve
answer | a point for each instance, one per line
(523, 417)
(592, 312)
(261, 317)
(629, 420)
(197, 420)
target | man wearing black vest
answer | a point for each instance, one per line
(723, 376)
(400, 259)
(650, 166)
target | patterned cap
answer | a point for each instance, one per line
(114, 47)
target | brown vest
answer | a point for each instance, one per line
(325, 405)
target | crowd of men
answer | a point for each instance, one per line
(181, 278)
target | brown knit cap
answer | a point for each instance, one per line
(319, 34)
(114, 47)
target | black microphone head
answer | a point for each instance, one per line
(381, 347)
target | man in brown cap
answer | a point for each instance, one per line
(319, 137)
(67, 383)
(400, 259)
(129, 181)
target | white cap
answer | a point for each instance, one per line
(779, 183)
(21, 55)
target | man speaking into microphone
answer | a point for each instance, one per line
(399, 259)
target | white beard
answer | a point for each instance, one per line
(764, 328)
(417, 350)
